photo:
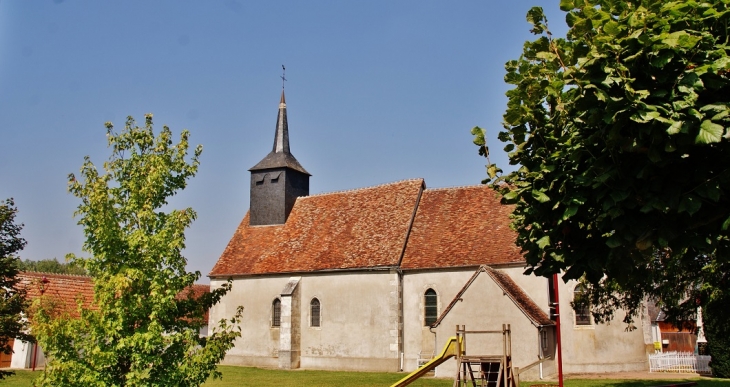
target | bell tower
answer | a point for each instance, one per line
(278, 179)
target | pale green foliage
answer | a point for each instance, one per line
(620, 131)
(143, 328)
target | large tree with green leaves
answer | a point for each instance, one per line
(143, 326)
(620, 135)
(13, 322)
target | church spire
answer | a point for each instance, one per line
(277, 180)
(280, 155)
(281, 137)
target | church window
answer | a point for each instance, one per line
(430, 302)
(581, 306)
(315, 312)
(276, 313)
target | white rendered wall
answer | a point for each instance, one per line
(417, 336)
(600, 347)
(484, 307)
(258, 345)
(360, 322)
(359, 314)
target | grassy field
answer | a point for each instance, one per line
(244, 377)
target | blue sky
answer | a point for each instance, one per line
(377, 91)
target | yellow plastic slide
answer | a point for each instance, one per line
(449, 351)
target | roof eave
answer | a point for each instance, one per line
(299, 272)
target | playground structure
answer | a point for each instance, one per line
(472, 370)
(485, 370)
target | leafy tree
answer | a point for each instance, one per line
(620, 131)
(142, 329)
(51, 266)
(717, 332)
(13, 324)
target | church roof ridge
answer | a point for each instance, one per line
(456, 187)
(32, 273)
(364, 188)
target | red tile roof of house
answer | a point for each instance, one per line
(362, 228)
(462, 226)
(62, 289)
(369, 227)
(65, 289)
(199, 289)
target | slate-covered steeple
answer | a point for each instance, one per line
(278, 179)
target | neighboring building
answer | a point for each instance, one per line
(377, 278)
(674, 339)
(63, 290)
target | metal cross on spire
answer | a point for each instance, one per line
(283, 76)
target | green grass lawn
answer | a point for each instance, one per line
(244, 376)
(701, 382)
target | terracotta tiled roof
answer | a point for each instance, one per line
(200, 289)
(520, 298)
(362, 228)
(63, 289)
(197, 290)
(515, 293)
(462, 226)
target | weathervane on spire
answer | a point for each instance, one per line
(283, 76)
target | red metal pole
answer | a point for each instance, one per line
(557, 326)
(35, 354)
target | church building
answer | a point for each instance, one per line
(377, 278)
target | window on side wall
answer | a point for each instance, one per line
(314, 312)
(430, 312)
(276, 313)
(581, 306)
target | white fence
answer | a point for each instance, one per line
(682, 362)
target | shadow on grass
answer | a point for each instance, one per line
(701, 382)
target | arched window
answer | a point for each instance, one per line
(276, 313)
(581, 306)
(315, 312)
(430, 302)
